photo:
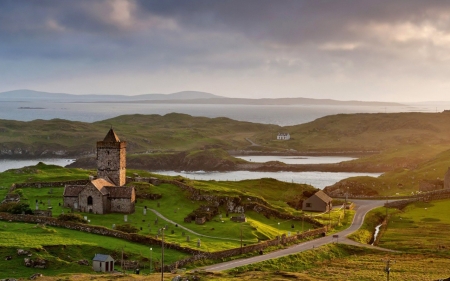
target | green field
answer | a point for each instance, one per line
(420, 228)
(62, 248)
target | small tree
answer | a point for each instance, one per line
(20, 208)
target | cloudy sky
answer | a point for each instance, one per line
(388, 50)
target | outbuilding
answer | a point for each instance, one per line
(319, 202)
(103, 263)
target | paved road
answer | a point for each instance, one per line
(362, 208)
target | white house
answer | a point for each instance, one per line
(103, 263)
(283, 136)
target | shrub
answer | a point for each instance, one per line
(128, 228)
(72, 217)
(16, 208)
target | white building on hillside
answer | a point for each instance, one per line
(283, 136)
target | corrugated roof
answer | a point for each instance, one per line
(73, 190)
(323, 196)
(101, 257)
(120, 191)
(111, 136)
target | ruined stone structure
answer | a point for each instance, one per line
(106, 193)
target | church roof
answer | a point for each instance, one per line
(101, 185)
(73, 190)
(120, 191)
(111, 136)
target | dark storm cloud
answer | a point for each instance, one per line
(300, 38)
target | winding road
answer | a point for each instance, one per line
(362, 207)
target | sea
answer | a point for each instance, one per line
(287, 115)
(266, 114)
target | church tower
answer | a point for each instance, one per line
(111, 159)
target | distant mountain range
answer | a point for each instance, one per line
(185, 97)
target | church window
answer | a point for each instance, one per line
(89, 200)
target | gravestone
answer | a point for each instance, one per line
(188, 238)
(145, 212)
(125, 218)
(37, 206)
(199, 243)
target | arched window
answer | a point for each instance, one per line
(89, 199)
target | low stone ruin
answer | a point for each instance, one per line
(35, 276)
(38, 263)
(83, 262)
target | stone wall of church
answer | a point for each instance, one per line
(69, 202)
(122, 205)
(97, 200)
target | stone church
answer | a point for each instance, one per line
(106, 193)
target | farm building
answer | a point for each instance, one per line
(103, 263)
(319, 202)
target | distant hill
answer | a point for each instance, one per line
(30, 95)
(184, 97)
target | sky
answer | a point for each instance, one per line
(384, 50)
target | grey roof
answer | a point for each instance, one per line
(101, 257)
(72, 190)
(120, 191)
(323, 196)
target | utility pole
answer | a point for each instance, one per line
(303, 220)
(387, 269)
(151, 251)
(329, 213)
(345, 205)
(121, 261)
(241, 237)
(162, 255)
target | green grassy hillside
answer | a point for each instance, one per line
(181, 132)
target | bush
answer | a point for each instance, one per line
(72, 217)
(128, 228)
(16, 208)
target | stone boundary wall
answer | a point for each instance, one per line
(429, 196)
(132, 237)
(146, 240)
(47, 184)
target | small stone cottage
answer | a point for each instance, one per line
(103, 263)
(106, 193)
(319, 202)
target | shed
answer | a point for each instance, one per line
(103, 263)
(319, 202)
